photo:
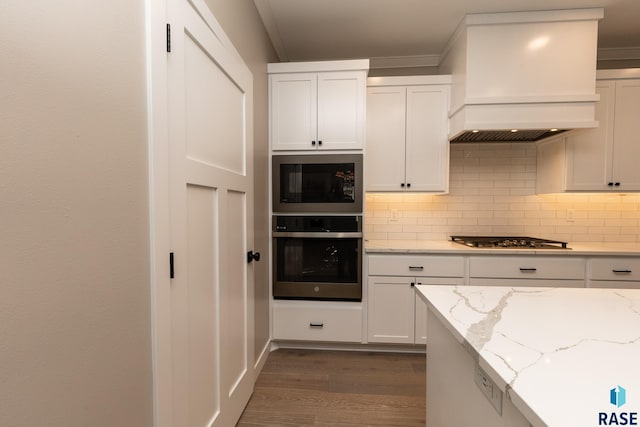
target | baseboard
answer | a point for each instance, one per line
(313, 345)
(262, 359)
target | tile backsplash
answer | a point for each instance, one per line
(492, 192)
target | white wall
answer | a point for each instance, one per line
(492, 192)
(75, 333)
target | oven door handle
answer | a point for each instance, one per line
(316, 235)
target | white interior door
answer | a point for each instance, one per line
(210, 214)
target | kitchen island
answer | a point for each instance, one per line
(560, 357)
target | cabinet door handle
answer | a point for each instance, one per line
(316, 325)
(402, 184)
(319, 142)
(408, 185)
(625, 271)
(610, 184)
(412, 284)
(313, 143)
(617, 184)
(416, 267)
(528, 269)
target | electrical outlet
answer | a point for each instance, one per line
(489, 389)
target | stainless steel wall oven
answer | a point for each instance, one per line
(318, 183)
(317, 257)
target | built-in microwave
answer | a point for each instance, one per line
(317, 183)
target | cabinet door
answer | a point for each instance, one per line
(391, 310)
(384, 162)
(626, 148)
(427, 147)
(590, 151)
(293, 111)
(341, 109)
(420, 336)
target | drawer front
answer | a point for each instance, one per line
(416, 265)
(316, 322)
(614, 284)
(517, 283)
(615, 269)
(527, 267)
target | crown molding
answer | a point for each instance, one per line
(269, 22)
(405, 61)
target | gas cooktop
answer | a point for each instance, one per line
(508, 242)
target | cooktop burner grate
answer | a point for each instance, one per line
(508, 242)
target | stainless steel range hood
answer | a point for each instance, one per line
(522, 76)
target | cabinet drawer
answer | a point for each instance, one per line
(615, 269)
(527, 267)
(516, 283)
(614, 284)
(416, 265)
(317, 321)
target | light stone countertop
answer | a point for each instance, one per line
(556, 351)
(448, 247)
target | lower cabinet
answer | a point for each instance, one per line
(615, 273)
(391, 310)
(395, 313)
(555, 271)
(317, 321)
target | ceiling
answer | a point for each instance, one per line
(396, 33)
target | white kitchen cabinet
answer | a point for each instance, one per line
(407, 147)
(395, 313)
(311, 110)
(615, 272)
(535, 270)
(317, 321)
(391, 309)
(599, 159)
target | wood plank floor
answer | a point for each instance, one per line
(338, 389)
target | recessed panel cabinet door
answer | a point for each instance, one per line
(341, 110)
(626, 133)
(427, 153)
(386, 114)
(590, 151)
(293, 111)
(391, 310)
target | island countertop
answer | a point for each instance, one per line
(555, 352)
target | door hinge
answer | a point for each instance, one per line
(171, 271)
(168, 37)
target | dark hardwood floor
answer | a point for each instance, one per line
(338, 389)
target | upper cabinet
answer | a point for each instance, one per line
(602, 158)
(407, 127)
(317, 105)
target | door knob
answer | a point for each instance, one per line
(251, 256)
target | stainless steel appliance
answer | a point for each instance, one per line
(317, 257)
(324, 183)
(509, 242)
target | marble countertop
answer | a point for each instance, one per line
(445, 246)
(556, 352)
